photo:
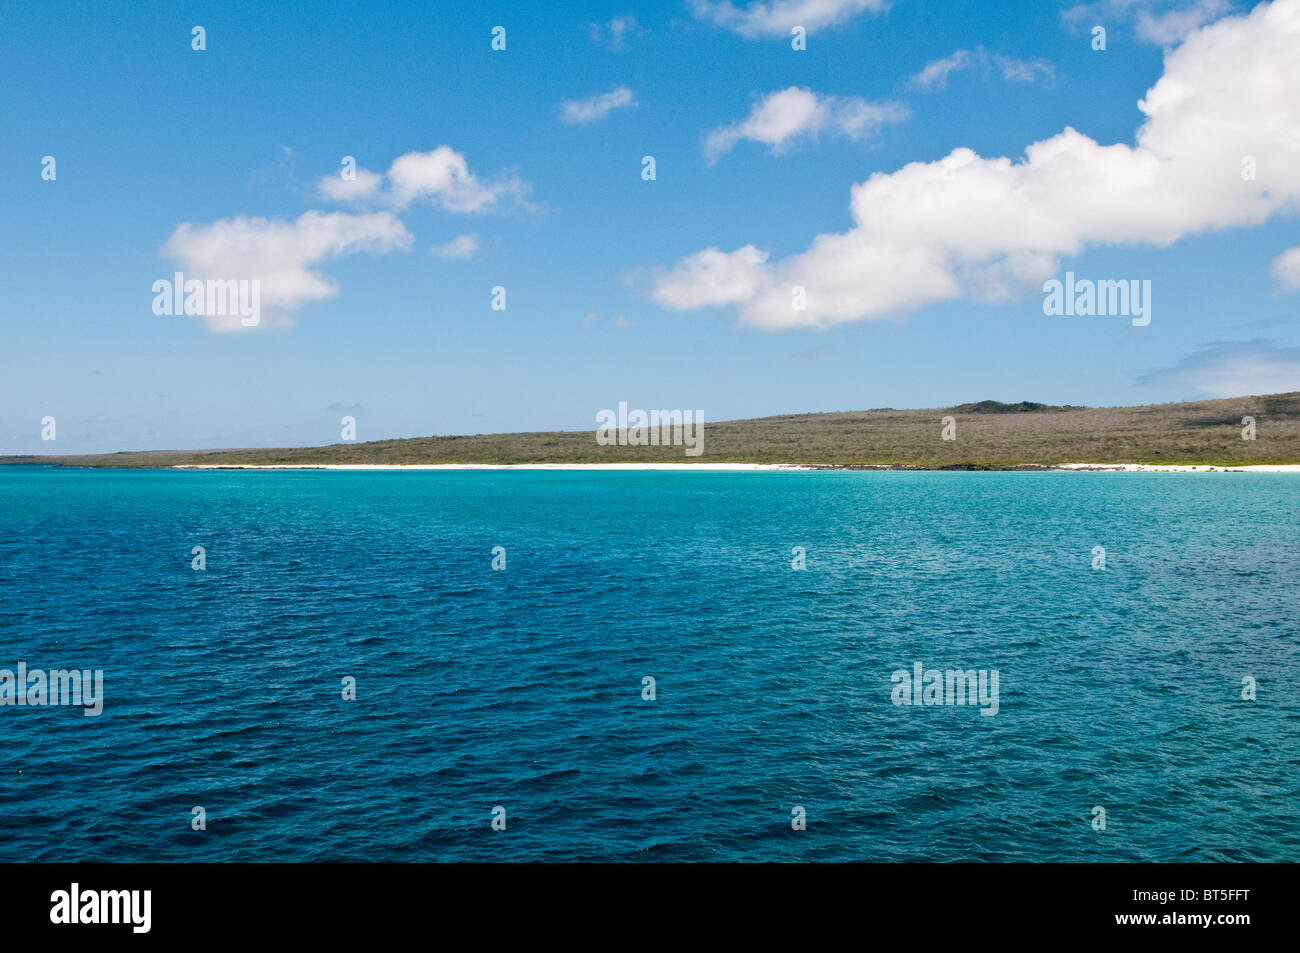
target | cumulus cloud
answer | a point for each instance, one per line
(1234, 369)
(935, 75)
(460, 247)
(440, 177)
(778, 17)
(989, 227)
(443, 178)
(1168, 27)
(1286, 269)
(576, 111)
(785, 116)
(282, 255)
(713, 277)
(1162, 22)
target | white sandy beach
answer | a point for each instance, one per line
(1170, 468)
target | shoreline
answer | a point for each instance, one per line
(1172, 468)
(751, 467)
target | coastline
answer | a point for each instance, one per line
(1172, 468)
(497, 466)
(1192, 436)
(748, 467)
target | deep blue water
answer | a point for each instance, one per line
(522, 688)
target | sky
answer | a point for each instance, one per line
(854, 204)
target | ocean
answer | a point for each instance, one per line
(646, 676)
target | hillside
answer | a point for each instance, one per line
(989, 434)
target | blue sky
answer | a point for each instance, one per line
(604, 299)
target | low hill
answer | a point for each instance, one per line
(988, 434)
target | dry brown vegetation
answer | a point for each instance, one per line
(988, 435)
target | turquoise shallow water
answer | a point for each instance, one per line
(523, 688)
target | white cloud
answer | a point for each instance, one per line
(440, 177)
(782, 117)
(778, 17)
(1286, 269)
(967, 225)
(592, 108)
(1162, 22)
(612, 34)
(363, 185)
(1227, 369)
(935, 75)
(460, 247)
(1172, 26)
(713, 277)
(282, 255)
(1021, 71)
